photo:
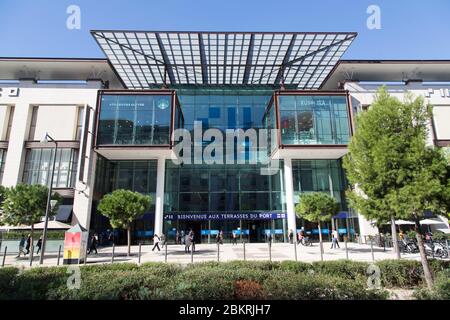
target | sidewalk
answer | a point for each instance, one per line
(227, 252)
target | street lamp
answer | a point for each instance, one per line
(46, 139)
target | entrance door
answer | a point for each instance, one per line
(257, 229)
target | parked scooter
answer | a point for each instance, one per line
(408, 246)
(436, 249)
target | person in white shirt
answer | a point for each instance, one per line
(335, 239)
(156, 241)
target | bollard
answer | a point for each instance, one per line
(59, 255)
(270, 251)
(165, 253)
(4, 256)
(139, 254)
(192, 255)
(371, 249)
(346, 249)
(218, 250)
(112, 255)
(321, 251)
(244, 249)
(85, 259)
(31, 256)
(295, 250)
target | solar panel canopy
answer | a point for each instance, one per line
(144, 59)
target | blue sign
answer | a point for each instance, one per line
(324, 231)
(342, 230)
(226, 216)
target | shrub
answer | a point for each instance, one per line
(249, 290)
(440, 291)
(295, 266)
(116, 285)
(7, 277)
(39, 283)
(400, 273)
(318, 287)
(343, 268)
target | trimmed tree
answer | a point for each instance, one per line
(122, 207)
(25, 204)
(317, 207)
(397, 176)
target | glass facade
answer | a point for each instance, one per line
(209, 198)
(139, 119)
(221, 188)
(319, 176)
(224, 108)
(309, 119)
(139, 176)
(38, 166)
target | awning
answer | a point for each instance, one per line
(64, 213)
(341, 215)
(144, 59)
(52, 225)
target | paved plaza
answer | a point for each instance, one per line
(227, 252)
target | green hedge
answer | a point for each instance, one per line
(440, 291)
(16, 235)
(211, 280)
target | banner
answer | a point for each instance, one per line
(226, 216)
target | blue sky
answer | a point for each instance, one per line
(414, 29)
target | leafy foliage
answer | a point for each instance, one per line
(341, 279)
(123, 206)
(26, 204)
(316, 206)
(394, 171)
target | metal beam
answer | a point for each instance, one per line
(166, 59)
(248, 62)
(317, 51)
(285, 59)
(203, 59)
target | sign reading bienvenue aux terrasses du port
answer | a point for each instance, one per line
(225, 216)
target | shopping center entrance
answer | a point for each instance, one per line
(206, 230)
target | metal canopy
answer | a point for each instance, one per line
(147, 58)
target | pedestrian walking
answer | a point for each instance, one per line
(334, 239)
(163, 240)
(219, 237)
(177, 238)
(39, 245)
(291, 236)
(234, 238)
(192, 237)
(187, 243)
(21, 246)
(156, 241)
(28, 244)
(183, 238)
(93, 246)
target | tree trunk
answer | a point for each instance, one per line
(320, 242)
(423, 256)
(394, 238)
(129, 240)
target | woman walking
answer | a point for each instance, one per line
(156, 241)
